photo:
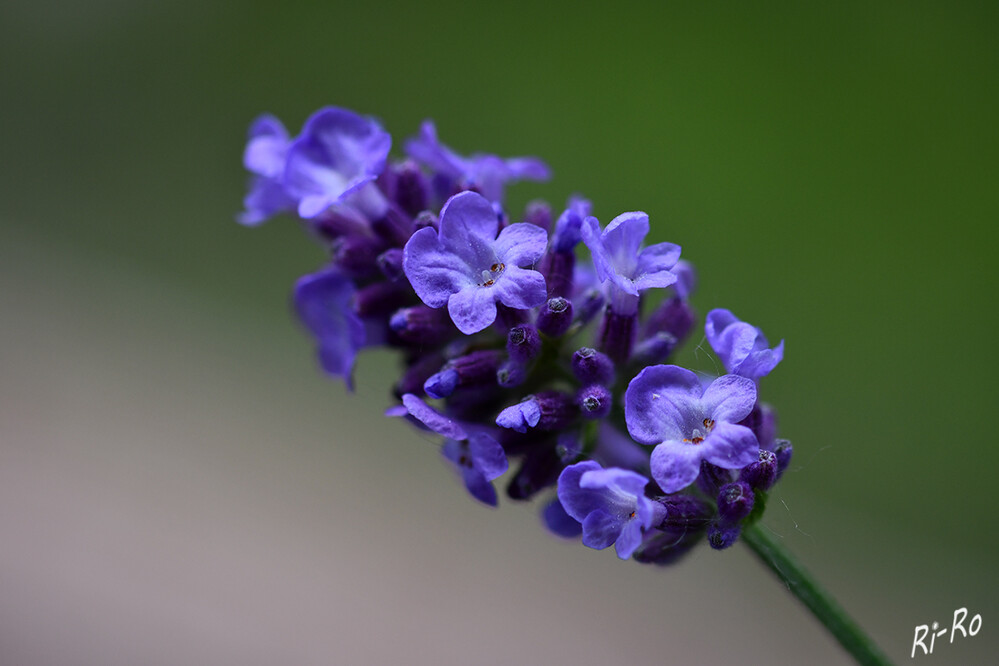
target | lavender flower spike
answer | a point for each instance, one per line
(475, 454)
(323, 302)
(619, 257)
(666, 406)
(467, 267)
(742, 348)
(337, 153)
(487, 173)
(611, 505)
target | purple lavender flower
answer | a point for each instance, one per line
(610, 504)
(486, 173)
(468, 267)
(619, 257)
(666, 406)
(475, 454)
(323, 301)
(337, 153)
(742, 348)
(264, 157)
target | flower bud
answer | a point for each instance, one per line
(539, 213)
(666, 547)
(412, 188)
(617, 336)
(511, 374)
(523, 343)
(381, 298)
(590, 306)
(555, 317)
(783, 451)
(475, 369)
(356, 254)
(673, 316)
(721, 536)
(592, 367)
(684, 512)
(735, 501)
(424, 220)
(653, 350)
(762, 474)
(712, 478)
(422, 325)
(594, 401)
(390, 264)
(558, 269)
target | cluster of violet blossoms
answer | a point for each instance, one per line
(515, 351)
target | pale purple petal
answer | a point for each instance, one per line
(622, 238)
(568, 227)
(265, 199)
(520, 288)
(655, 264)
(433, 419)
(731, 338)
(426, 148)
(337, 153)
(521, 244)
(625, 484)
(323, 302)
(559, 522)
(472, 309)
(729, 398)
(527, 168)
(675, 464)
(487, 455)
(521, 416)
(760, 362)
(433, 272)
(266, 148)
(600, 529)
(730, 446)
(661, 402)
(577, 502)
(468, 218)
(629, 539)
(590, 231)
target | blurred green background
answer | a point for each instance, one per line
(171, 462)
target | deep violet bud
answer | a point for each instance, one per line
(713, 477)
(390, 264)
(568, 232)
(741, 347)
(357, 255)
(558, 269)
(425, 220)
(653, 350)
(559, 522)
(592, 367)
(547, 410)
(617, 335)
(469, 268)
(762, 474)
(475, 369)
(539, 470)
(722, 536)
(735, 501)
(594, 401)
(590, 305)
(422, 325)
(511, 374)
(666, 547)
(381, 298)
(684, 512)
(539, 213)
(523, 343)
(412, 188)
(417, 373)
(555, 317)
(783, 451)
(673, 316)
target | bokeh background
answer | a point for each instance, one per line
(178, 482)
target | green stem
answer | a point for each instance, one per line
(801, 583)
